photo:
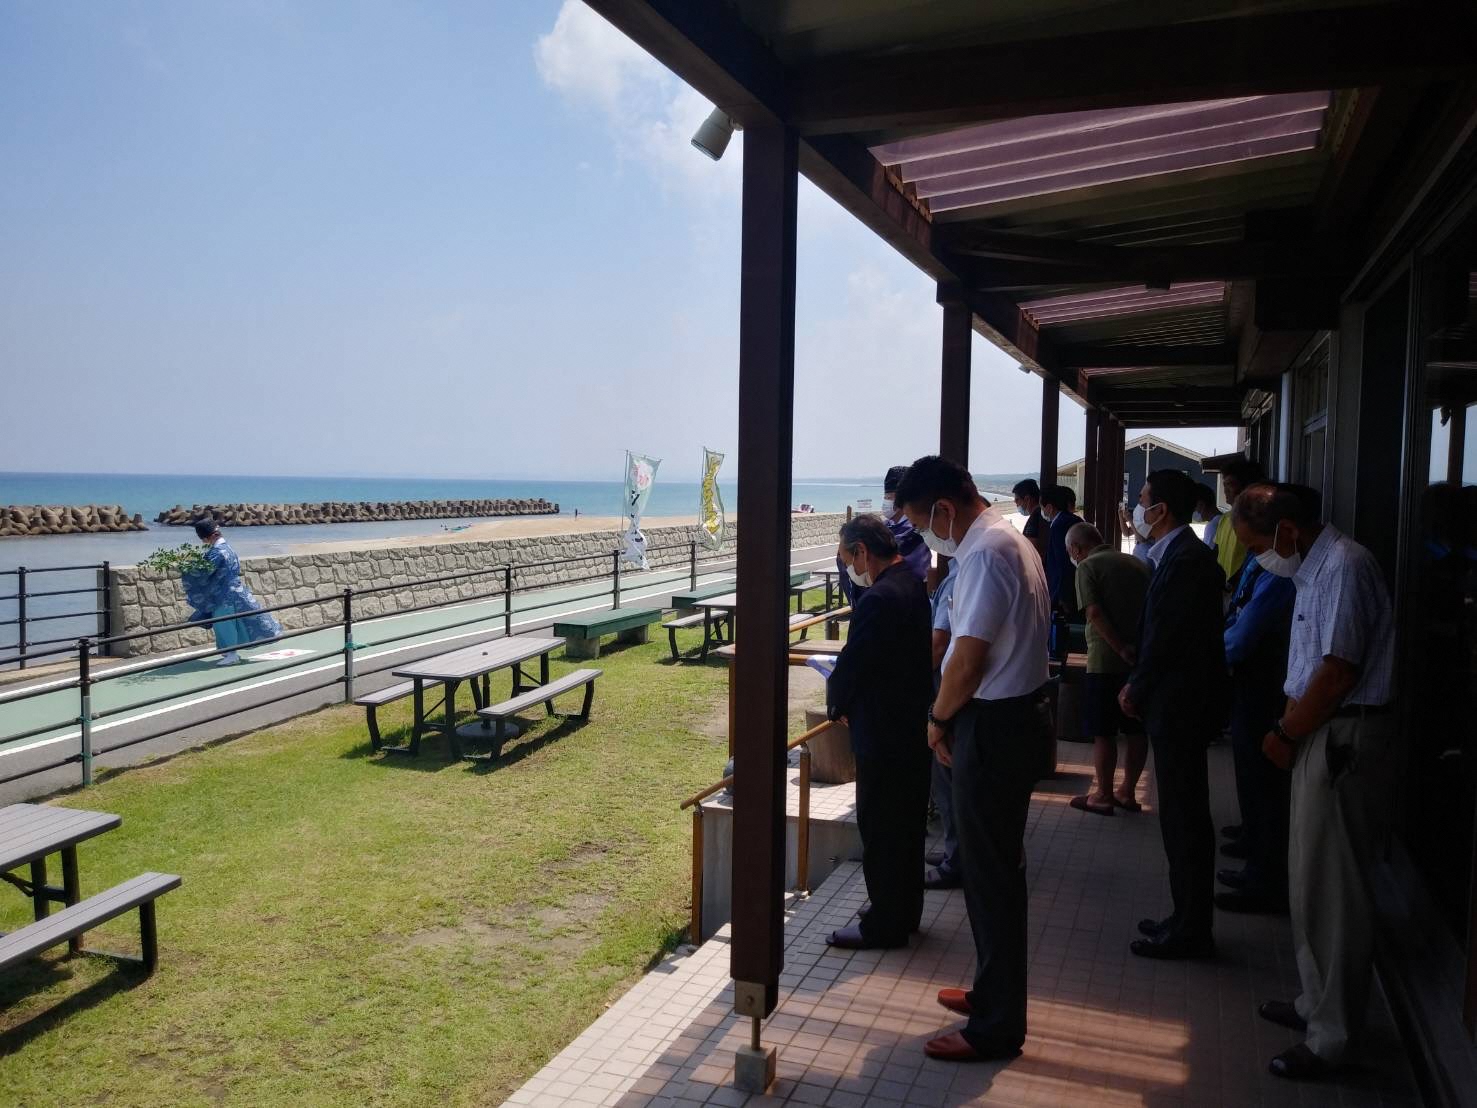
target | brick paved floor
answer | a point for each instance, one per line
(1106, 1028)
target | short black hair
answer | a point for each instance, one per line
(1244, 471)
(894, 478)
(1028, 487)
(1204, 494)
(1174, 489)
(1059, 497)
(933, 478)
(205, 527)
(1262, 506)
(869, 530)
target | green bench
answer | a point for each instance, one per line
(581, 634)
(689, 599)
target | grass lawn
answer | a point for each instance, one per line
(362, 929)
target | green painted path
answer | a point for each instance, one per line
(134, 692)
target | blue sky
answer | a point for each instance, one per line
(382, 237)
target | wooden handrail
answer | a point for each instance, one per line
(821, 617)
(697, 798)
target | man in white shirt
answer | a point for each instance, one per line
(1336, 737)
(985, 724)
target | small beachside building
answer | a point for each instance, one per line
(1141, 456)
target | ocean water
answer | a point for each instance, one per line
(149, 494)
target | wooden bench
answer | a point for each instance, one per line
(543, 694)
(71, 922)
(799, 590)
(581, 634)
(372, 702)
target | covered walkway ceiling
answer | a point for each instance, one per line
(1156, 205)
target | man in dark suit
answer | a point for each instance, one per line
(882, 686)
(1181, 670)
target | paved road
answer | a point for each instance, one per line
(195, 701)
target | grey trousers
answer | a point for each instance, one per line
(1340, 818)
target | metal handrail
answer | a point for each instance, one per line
(52, 569)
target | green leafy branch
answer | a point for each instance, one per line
(186, 558)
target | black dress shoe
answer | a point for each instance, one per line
(1231, 878)
(1236, 848)
(851, 938)
(942, 879)
(1172, 948)
(1251, 902)
(1232, 831)
(1299, 1064)
(1153, 928)
(1283, 1014)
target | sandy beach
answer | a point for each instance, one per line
(521, 527)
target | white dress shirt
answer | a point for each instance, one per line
(1343, 610)
(1157, 551)
(1000, 597)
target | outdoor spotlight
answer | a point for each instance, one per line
(712, 137)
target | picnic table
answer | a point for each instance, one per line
(833, 585)
(30, 833)
(476, 665)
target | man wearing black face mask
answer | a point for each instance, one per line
(1181, 667)
(882, 684)
(1335, 736)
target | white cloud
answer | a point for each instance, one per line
(651, 113)
(587, 59)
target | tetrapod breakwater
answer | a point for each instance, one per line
(60, 519)
(340, 511)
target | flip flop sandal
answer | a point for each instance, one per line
(1128, 806)
(1082, 804)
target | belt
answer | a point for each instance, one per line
(1359, 711)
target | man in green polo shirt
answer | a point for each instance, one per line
(1111, 587)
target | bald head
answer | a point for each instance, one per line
(1082, 540)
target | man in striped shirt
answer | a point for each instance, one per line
(1336, 738)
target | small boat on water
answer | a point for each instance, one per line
(803, 510)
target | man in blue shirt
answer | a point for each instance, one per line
(1257, 628)
(909, 543)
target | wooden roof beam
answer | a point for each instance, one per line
(1161, 266)
(1076, 355)
(1285, 52)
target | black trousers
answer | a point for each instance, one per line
(1180, 775)
(1263, 791)
(997, 750)
(892, 818)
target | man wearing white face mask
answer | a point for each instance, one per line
(1181, 667)
(909, 543)
(984, 722)
(882, 684)
(1335, 736)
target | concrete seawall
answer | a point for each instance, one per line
(145, 599)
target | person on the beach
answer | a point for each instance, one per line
(221, 592)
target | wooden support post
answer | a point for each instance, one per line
(761, 677)
(695, 928)
(954, 383)
(1089, 503)
(1051, 401)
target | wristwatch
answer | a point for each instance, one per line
(943, 724)
(1281, 733)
